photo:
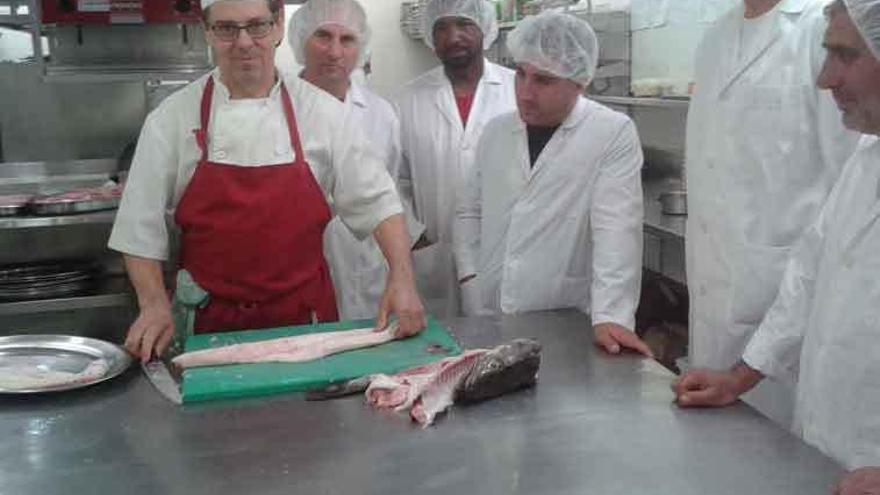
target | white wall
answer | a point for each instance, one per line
(396, 58)
(664, 39)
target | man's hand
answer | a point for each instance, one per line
(400, 296)
(151, 332)
(612, 338)
(709, 388)
(864, 481)
(402, 299)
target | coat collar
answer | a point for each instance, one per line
(731, 34)
(221, 92)
(445, 99)
(491, 75)
(356, 95)
(575, 117)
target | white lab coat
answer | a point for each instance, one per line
(826, 319)
(764, 147)
(247, 132)
(358, 268)
(565, 233)
(437, 152)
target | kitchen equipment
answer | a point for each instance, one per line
(250, 380)
(105, 197)
(46, 280)
(107, 12)
(160, 375)
(13, 204)
(58, 355)
(673, 203)
(42, 206)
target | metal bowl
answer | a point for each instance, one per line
(673, 203)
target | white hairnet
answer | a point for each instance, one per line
(558, 43)
(866, 16)
(316, 13)
(482, 12)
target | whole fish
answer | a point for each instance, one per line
(426, 391)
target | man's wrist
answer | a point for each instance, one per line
(745, 377)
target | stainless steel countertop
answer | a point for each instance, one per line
(594, 424)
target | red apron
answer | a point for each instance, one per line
(252, 238)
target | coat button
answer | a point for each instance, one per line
(279, 151)
(710, 164)
(220, 154)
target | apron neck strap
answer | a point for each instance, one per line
(205, 118)
(292, 127)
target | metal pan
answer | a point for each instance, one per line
(47, 359)
(673, 203)
(12, 210)
(45, 292)
(70, 207)
(13, 283)
(45, 271)
(15, 204)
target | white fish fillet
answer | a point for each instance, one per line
(425, 391)
(22, 377)
(298, 349)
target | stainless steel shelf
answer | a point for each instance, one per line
(79, 75)
(105, 216)
(112, 293)
(680, 103)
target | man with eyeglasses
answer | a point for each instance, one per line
(330, 39)
(247, 163)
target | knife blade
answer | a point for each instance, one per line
(340, 389)
(162, 379)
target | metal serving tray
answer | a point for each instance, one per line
(59, 354)
(15, 204)
(69, 207)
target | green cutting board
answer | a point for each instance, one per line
(251, 380)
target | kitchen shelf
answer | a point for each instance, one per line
(111, 293)
(80, 75)
(17, 222)
(679, 103)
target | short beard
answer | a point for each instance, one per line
(457, 63)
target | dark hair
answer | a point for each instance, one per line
(274, 8)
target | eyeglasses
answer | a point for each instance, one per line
(229, 31)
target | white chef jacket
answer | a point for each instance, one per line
(438, 150)
(564, 233)
(248, 132)
(764, 148)
(825, 323)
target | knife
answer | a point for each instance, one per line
(340, 389)
(163, 380)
